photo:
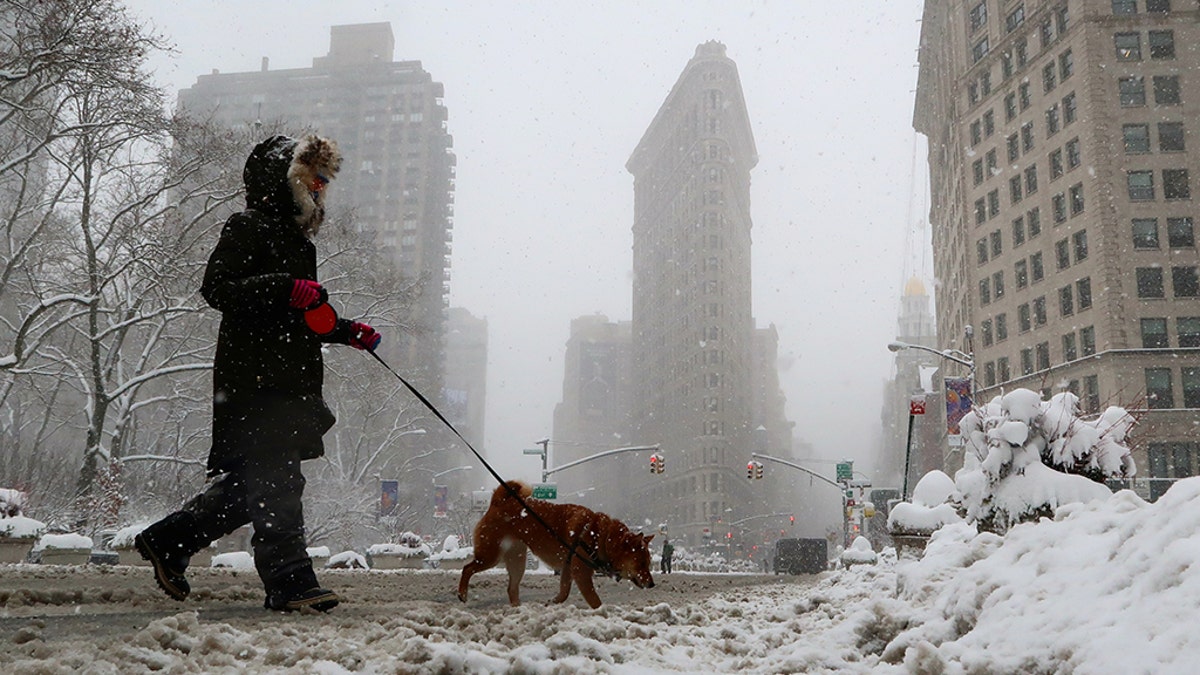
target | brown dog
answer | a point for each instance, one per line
(507, 530)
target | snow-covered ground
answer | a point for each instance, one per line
(1110, 586)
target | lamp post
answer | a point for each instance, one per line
(954, 355)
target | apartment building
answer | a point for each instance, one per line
(1063, 162)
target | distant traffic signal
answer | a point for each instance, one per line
(657, 463)
(750, 470)
(758, 470)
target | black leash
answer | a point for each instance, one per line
(591, 559)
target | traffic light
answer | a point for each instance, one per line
(750, 470)
(758, 470)
(793, 519)
(653, 463)
(662, 464)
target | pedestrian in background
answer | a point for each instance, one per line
(667, 551)
(268, 410)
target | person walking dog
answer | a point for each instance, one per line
(268, 410)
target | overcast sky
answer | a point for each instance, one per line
(546, 102)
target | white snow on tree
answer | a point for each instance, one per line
(1027, 456)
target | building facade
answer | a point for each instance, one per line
(693, 331)
(1063, 158)
(389, 120)
(466, 387)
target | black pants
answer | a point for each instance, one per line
(266, 491)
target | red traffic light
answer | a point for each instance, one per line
(793, 519)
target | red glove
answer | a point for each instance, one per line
(306, 294)
(363, 336)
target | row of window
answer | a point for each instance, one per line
(1126, 7)
(1180, 233)
(1132, 90)
(1052, 28)
(1136, 137)
(1161, 44)
(1155, 335)
(1160, 390)
(1176, 184)
(1072, 297)
(1185, 282)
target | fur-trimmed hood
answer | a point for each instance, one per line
(280, 175)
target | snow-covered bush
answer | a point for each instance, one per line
(347, 560)
(452, 553)
(408, 545)
(1027, 456)
(929, 509)
(859, 553)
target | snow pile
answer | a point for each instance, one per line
(929, 508)
(12, 502)
(238, 560)
(409, 545)
(1033, 456)
(63, 541)
(347, 560)
(451, 550)
(859, 553)
(124, 536)
(21, 527)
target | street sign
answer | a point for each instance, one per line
(531, 451)
(845, 470)
(545, 490)
(916, 405)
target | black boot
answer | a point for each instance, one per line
(168, 545)
(299, 590)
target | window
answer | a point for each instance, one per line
(1079, 243)
(1036, 270)
(979, 51)
(1161, 6)
(1162, 44)
(1154, 333)
(1058, 205)
(1066, 65)
(1001, 327)
(978, 16)
(1124, 6)
(1048, 81)
(1010, 107)
(1043, 355)
(1175, 184)
(993, 199)
(1180, 233)
(1075, 195)
(1021, 51)
(985, 291)
(985, 83)
(989, 374)
(1014, 189)
(1024, 323)
(1145, 233)
(985, 330)
(1190, 377)
(1073, 155)
(1066, 301)
(1170, 137)
(1031, 183)
(1052, 120)
(1185, 281)
(1070, 351)
(1024, 98)
(1166, 89)
(1026, 361)
(1006, 65)
(1014, 19)
(997, 243)
(990, 160)
(989, 124)
(976, 133)
(1129, 46)
(1137, 138)
(1090, 401)
(1014, 148)
(1027, 137)
(1062, 19)
(1034, 218)
(1087, 341)
(1083, 293)
(981, 251)
(1188, 330)
(1132, 91)
(1039, 310)
(1070, 109)
(1018, 231)
(980, 211)
(1056, 164)
(1021, 273)
(1158, 388)
(998, 284)
(1046, 33)
(977, 169)
(1141, 185)
(1150, 282)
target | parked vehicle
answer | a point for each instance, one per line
(801, 556)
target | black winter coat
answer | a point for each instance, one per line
(268, 371)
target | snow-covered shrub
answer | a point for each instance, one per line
(929, 508)
(1033, 455)
(859, 553)
(347, 560)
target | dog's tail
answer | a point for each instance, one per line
(504, 492)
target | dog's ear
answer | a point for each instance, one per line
(647, 537)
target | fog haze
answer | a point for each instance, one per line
(546, 102)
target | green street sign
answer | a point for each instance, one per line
(531, 451)
(845, 470)
(545, 491)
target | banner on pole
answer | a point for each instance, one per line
(958, 403)
(389, 496)
(441, 501)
